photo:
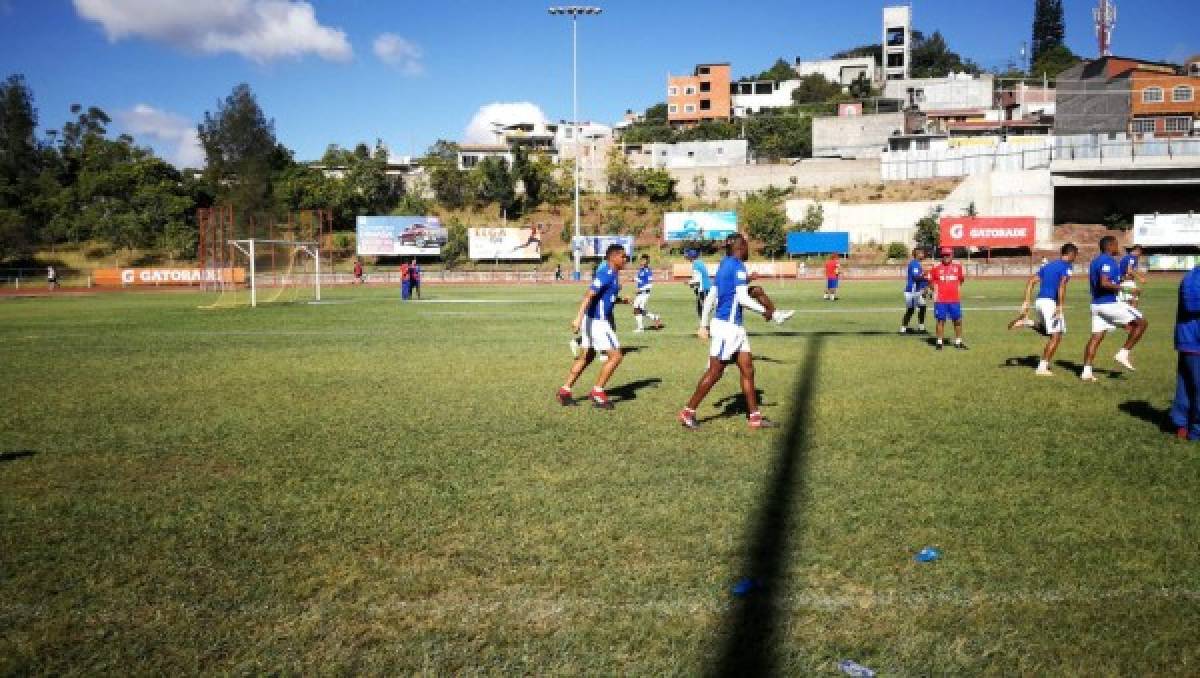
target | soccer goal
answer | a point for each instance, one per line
(275, 271)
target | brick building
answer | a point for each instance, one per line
(703, 95)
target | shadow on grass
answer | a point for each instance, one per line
(769, 359)
(1077, 369)
(735, 405)
(16, 454)
(629, 391)
(1149, 413)
(752, 628)
(824, 333)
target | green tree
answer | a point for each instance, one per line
(241, 151)
(929, 230)
(620, 176)
(495, 184)
(814, 218)
(1049, 29)
(655, 184)
(710, 130)
(814, 88)
(775, 137)
(933, 58)
(656, 113)
(780, 71)
(1054, 61)
(861, 87)
(765, 221)
(456, 248)
(20, 163)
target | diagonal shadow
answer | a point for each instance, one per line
(16, 454)
(751, 629)
(1146, 412)
(735, 405)
(825, 333)
(629, 391)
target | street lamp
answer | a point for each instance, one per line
(574, 11)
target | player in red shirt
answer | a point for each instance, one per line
(946, 279)
(833, 273)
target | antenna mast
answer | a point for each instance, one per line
(1106, 18)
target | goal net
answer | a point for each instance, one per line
(267, 271)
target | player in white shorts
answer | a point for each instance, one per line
(645, 282)
(1051, 279)
(1132, 277)
(593, 322)
(1108, 313)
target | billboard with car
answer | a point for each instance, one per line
(699, 225)
(400, 236)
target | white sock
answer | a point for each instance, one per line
(921, 327)
(939, 342)
(1044, 365)
(1123, 354)
(957, 341)
(639, 322)
(1087, 371)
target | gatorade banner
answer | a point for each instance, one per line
(994, 232)
(161, 277)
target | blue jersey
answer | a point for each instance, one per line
(606, 284)
(1103, 265)
(1052, 275)
(731, 274)
(645, 278)
(1129, 264)
(700, 269)
(916, 277)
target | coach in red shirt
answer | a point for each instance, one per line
(946, 279)
(833, 273)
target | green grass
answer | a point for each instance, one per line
(372, 487)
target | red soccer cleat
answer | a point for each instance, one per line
(564, 398)
(600, 400)
(1182, 433)
(758, 421)
(688, 419)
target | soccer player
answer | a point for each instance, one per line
(914, 292)
(414, 276)
(833, 274)
(1132, 277)
(358, 272)
(51, 278)
(730, 294)
(1107, 312)
(593, 322)
(645, 281)
(1051, 280)
(1185, 411)
(700, 282)
(946, 279)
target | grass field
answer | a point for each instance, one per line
(370, 487)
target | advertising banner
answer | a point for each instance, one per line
(818, 243)
(1172, 262)
(505, 243)
(699, 225)
(1158, 230)
(399, 236)
(995, 232)
(594, 246)
(766, 269)
(156, 277)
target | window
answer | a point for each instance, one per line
(1152, 95)
(922, 144)
(689, 91)
(895, 37)
(1178, 125)
(703, 70)
(763, 87)
(919, 95)
(705, 105)
(1181, 93)
(689, 108)
(691, 154)
(720, 150)
(706, 87)
(672, 91)
(674, 108)
(895, 61)
(1143, 126)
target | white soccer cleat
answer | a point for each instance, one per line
(780, 317)
(1123, 359)
(1043, 372)
(1089, 378)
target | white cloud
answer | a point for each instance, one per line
(405, 55)
(259, 30)
(479, 130)
(178, 141)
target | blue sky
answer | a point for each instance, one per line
(323, 72)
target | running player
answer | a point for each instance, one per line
(1132, 277)
(833, 275)
(700, 281)
(593, 321)
(1051, 280)
(947, 279)
(730, 294)
(645, 281)
(914, 292)
(1107, 312)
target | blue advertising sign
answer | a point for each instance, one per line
(818, 243)
(594, 246)
(399, 236)
(699, 225)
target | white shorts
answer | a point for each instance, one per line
(1108, 317)
(639, 302)
(1044, 310)
(598, 335)
(727, 340)
(915, 300)
(1129, 291)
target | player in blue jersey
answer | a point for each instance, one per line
(645, 281)
(916, 282)
(594, 323)
(1108, 313)
(1132, 277)
(700, 281)
(1051, 281)
(731, 293)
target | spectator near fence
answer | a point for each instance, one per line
(405, 282)
(358, 272)
(414, 277)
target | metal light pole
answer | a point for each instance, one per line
(574, 11)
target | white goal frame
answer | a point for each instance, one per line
(308, 247)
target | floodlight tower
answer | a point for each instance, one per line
(1106, 19)
(575, 11)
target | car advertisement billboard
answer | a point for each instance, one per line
(399, 236)
(505, 243)
(699, 225)
(594, 246)
(1164, 230)
(995, 232)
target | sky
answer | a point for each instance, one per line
(409, 72)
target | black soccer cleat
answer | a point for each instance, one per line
(961, 347)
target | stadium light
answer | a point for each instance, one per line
(575, 11)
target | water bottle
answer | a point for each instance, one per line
(853, 668)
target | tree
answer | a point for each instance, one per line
(780, 136)
(765, 221)
(933, 58)
(861, 87)
(457, 243)
(1048, 28)
(656, 113)
(710, 130)
(241, 150)
(780, 71)
(653, 127)
(620, 176)
(815, 88)
(814, 218)
(929, 230)
(19, 164)
(1053, 62)
(495, 184)
(655, 184)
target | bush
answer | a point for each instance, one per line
(897, 250)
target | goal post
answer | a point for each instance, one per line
(252, 249)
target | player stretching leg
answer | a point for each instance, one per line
(594, 322)
(1052, 282)
(914, 292)
(645, 281)
(1132, 277)
(1107, 312)
(729, 343)
(947, 279)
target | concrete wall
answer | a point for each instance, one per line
(949, 93)
(780, 97)
(955, 158)
(691, 154)
(840, 71)
(739, 181)
(859, 136)
(879, 223)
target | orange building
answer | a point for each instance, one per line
(1166, 105)
(703, 95)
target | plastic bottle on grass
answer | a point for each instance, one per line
(853, 668)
